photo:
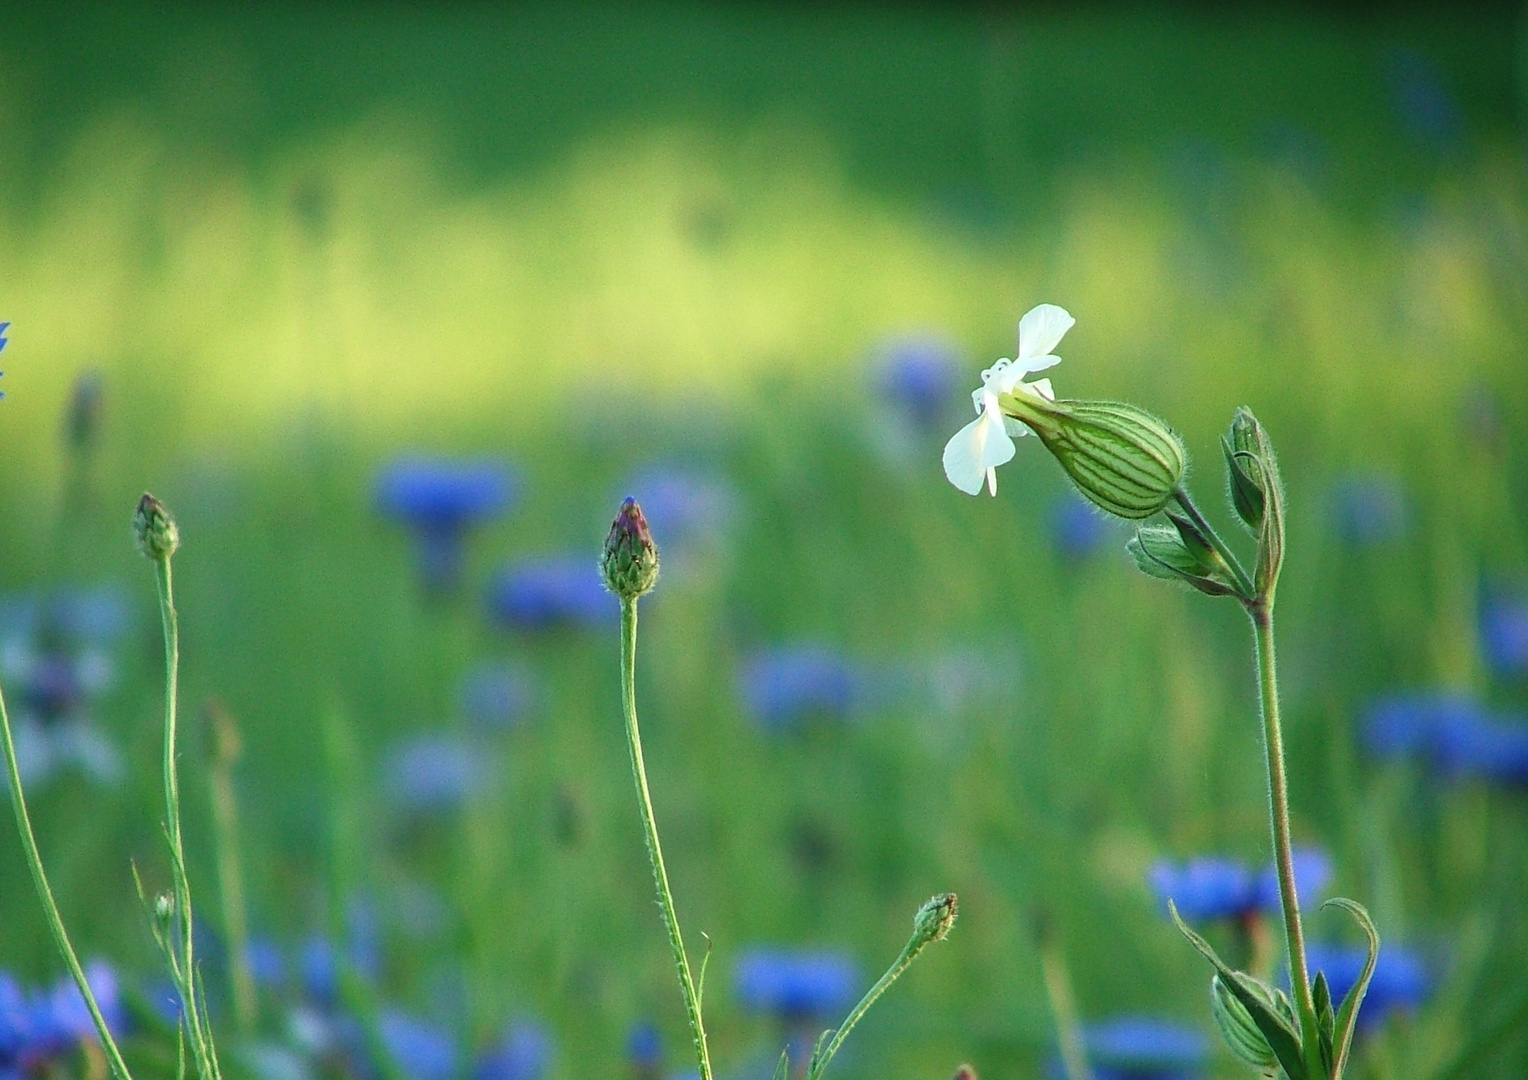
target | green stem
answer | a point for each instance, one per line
(910, 953)
(190, 1001)
(1243, 582)
(650, 825)
(49, 906)
(1058, 987)
(225, 821)
(1278, 806)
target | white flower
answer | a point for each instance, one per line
(987, 442)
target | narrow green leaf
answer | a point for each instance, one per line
(1282, 1038)
(1194, 540)
(816, 1062)
(783, 1069)
(1325, 1022)
(1347, 1016)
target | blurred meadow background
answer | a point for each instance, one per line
(392, 303)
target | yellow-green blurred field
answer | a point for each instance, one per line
(591, 240)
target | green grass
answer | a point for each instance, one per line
(295, 243)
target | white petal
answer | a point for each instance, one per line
(1043, 388)
(1014, 427)
(1040, 331)
(1036, 363)
(975, 448)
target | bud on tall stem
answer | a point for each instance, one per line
(629, 563)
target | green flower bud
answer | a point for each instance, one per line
(630, 561)
(1257, 494)
(155, 529)
(1121, 458)
(1238, 1029)
(1162, 551)
(934, 919)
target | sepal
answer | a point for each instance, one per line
(1346, 1020)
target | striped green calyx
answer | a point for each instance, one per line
(1121, 458)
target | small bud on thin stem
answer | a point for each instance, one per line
(155, 529)
(934, 918)
(629, 563)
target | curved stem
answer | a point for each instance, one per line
(909, 953)
(190, 999)
(1278, 807)
(1181, 496)
(49, 906)
(650, 825)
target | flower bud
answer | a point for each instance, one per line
(164, 908)
(1121, 458)
(1161, 551)
(630, 562)
(1238, 1029)
(934, 919)
(155, 529)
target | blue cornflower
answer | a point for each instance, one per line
(1205, 889)
(440, 500)
(1504, 634)
(4, 326)
(644, 1049)
(496, 697)
(433, 772)
(1453, 733)
(523, 1052)
(1313, 873)
(421, 1050)
(1076, 528)
(1422, 102)
(541, 594)
(920, 376)
(796, 985)
(783, 687)
(1369, 509)
(1401, 981)
(1145, 1048)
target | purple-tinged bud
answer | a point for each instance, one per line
(630, 561)
(155, 529)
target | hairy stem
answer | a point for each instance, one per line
(1243, 582)
(1278, 806)
(910, 953)
(650, 826)
(49, 906)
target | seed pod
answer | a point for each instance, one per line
(1121, 458)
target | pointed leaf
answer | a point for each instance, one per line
(1282, 1038)
(1346, 1021)
(816, 1063)
(1246, 494)
(1195, 541)
(1325, 1022)
(783, 1070)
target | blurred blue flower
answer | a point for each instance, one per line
(683, 506)
(1076, 528)
(1401, 981)
(541, 594)
(96, 615)
(1205, 889)
(1504, 633)
(318, 965)
(1454, 734)
(496, 697)
(40, 1027)
(440, 499)
(1313, 873)
(523, 1052)
(783, 687)
(1145, 1048)
(796, 985)
(266, 961)
(644, 1049)
(421, 1050)
(1369, 509)
(920, 376)
(433, 772)
(1423, 103)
